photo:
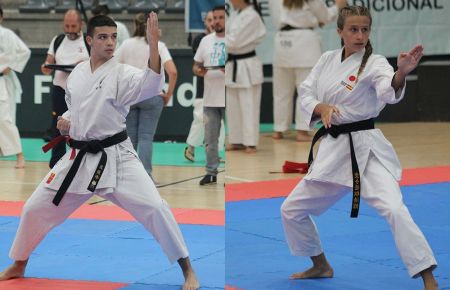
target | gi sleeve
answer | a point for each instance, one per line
(382, 73)
(254, 31)
(307, 92)
(322, 12)
(15, 54)
(136, 85)
(68, 98)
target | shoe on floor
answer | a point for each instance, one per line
(188, 154)
(208, 179)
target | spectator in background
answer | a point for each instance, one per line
(122, 31)
(14, 55)
(197, 130)
(143, 117)
(296, 21)
(209, 63)
(69, 48)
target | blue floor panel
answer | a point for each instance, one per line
(117, 251)
(362, 251)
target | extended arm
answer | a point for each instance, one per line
(406, 62)
(154, 62)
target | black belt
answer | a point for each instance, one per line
(335, 131)
(288, 27)
(94, 147)
(235, 57)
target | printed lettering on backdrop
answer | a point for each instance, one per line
(397, 26)
(196, 11)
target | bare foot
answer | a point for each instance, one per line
(16, 270)
(234, 147)
(191, 282)
(20, 163)
(250, 149)
(314, 273)
(303, 136)
(277, 135)
(429, 281)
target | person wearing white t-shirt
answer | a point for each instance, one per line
(209, 62)
(143, 117)
(64, 50)
(196, 134)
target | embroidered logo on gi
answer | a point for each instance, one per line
(50, 178)
(99, 84)
(348, 86)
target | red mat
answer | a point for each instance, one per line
(47, 284)
(114, 213)
(232, 288)
(282, 188)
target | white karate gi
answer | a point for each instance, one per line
(330, 176)
(244, 31)
(296, 51)
(98, 104)
(14, 54)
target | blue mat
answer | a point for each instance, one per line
(116, 251)
(362, 251)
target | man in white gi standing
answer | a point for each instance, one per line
(14, 55)
(102, 160)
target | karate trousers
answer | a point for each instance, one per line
(9, 133)
(380, 190)
(243, 108)
(285, 83)
(135, 192)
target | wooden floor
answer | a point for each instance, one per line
(417, 145)
(18, 184)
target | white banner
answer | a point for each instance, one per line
(397, 26)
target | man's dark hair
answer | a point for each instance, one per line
(97, 21)
(100, 10)
(1, 11)
(219, 7)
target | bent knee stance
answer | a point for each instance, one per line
(291, 211)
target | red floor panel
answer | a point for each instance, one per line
(111, 212)
(47, 284)
(281, 188)
(232, 288)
